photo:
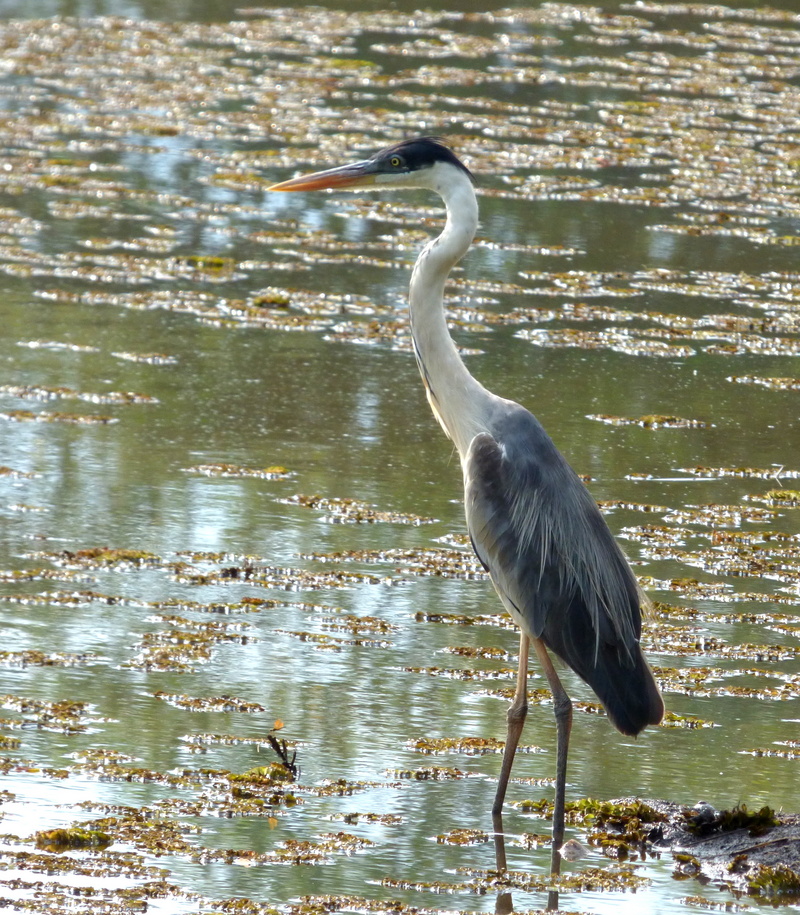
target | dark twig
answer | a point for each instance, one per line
(282, 749)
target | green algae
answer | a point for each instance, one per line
(780, 884)
(60, 840)
(756, 822)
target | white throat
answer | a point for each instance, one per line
(452, 392)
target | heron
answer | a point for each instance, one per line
(533, 524)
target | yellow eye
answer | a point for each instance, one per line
(396, 161)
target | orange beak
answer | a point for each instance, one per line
(355, 175)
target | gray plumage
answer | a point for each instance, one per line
(557, 569)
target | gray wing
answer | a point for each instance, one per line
(555, 564)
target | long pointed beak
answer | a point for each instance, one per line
(355, 175)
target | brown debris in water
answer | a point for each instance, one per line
(353, 510)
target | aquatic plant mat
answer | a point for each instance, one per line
(249, 662)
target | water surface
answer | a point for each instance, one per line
(634, 283)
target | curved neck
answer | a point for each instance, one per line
(459, 402)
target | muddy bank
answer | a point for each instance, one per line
(749, 851)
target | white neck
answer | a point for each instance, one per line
(459, 402)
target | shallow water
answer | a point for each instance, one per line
(634, 283)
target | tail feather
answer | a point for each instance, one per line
(629, 695)
(619, 674)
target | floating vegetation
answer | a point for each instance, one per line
(22, 507)
(690, 722)
(102, 558)
(40, 392)
(481, 882)
(789, 498)
(102, 864)
(619, 341)
(468, 746)
(76, 419)
(353, 511)
(348, 622)
(462, 837)
(789, 752)
(34, 658)
(226, 740)
(147, 358)
(232, 470)
(58, 346)
(459, 673)
(719, 515)
(713, 473)
(62, 716)
(428, 773)
(774, 384)
(609, 505)
(65, 598)
(9, 473)
(704, 904)
(340, 787)
(326, 642)
(650, 422)
(60, 840)
(286, 579)
(470, 651)
(68, 575)
(383, 819)
(457, 619)
(716, 681)
(625, 816)
(210, 704)
(186, 643)
(438, 562)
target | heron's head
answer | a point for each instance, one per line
(423, 162)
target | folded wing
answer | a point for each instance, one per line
(556, 566)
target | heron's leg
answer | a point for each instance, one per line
(562, 707)
(516, 719)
